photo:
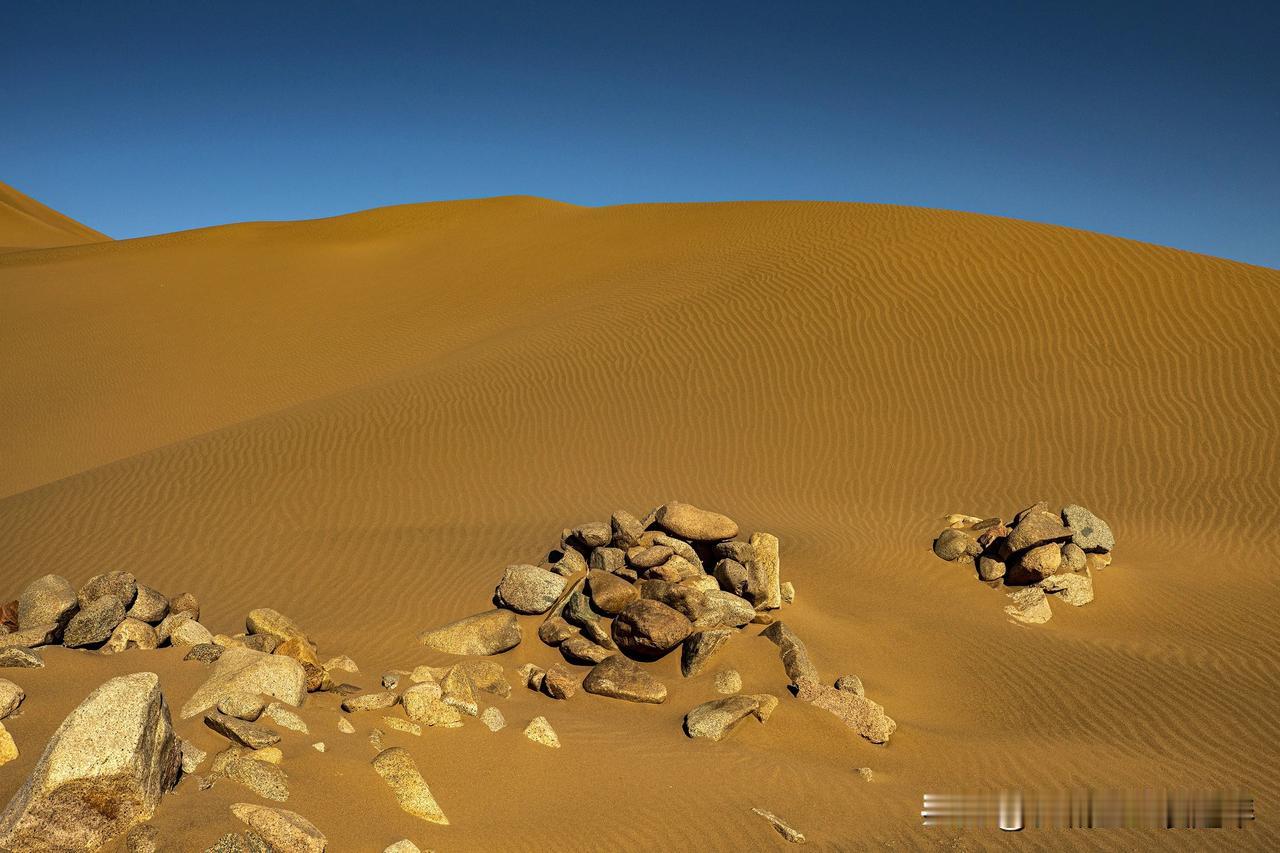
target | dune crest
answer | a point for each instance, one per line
(27, 224)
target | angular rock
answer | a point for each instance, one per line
(204, 652)
(430, 710)
(94, 622)
(559, 682)
(626, 530)
(610, 593)
(185, 602)
(952, 544)
(493, 719)
(120, 584)
(765, 546)
(404, 845)
(273, 623)
(240, 669)
(679, 547)
(487, 633)
(283, 717)
(342, 662)
(619, 678)
(283, 830)
(238, 731)
(1089, 532)
(786, 831)
(648, 629)
(148, 606)
(168, 623)
(722, 609)
(242, 706)
(263, 778)
(456, 690)
(487, 675)
(8, 749)
(1029, 606)
(403, 726)
(788, 591)
(529, 589)
(700, 647)
(578, 649)
(728, 681)
(766, 704)
(715, 719)
(1074, 559)
(49, 599)
(131, 633)
(577, 611)
(104, 770)
(192, 756)
(859, 713)
(795, 657)
(540, 731)
(690, 522)
(1034, 526)
(990, 569)
(11, 696)
(41, 635)
(739, 552)
(593, 534)
(370, 701)
(608, 559)
(1076, 590)
(398, 770)
(189, 632)
(566, 561)
(20, 658)
(555, 630)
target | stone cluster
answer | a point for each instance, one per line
(1039, 553)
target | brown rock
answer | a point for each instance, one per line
(559, 682)
(619, 678)
(185, 602)
(1036, 525)
(690, 522)
(648, 558)
(148, 606)
(608, 559)
(700, 647)
(609, 593)
(120, 584)
(555, 630)
(94, 622)
(241, 732)
(626, 529)
(795, 657)
(648, 629)
(593, 534)
(49, 599)
(578, 649)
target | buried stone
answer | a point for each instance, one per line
(487, 633)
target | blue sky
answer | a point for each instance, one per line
(1157, 121)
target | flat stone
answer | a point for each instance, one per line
(647, 558)
(283, 830)
(262, 777)
(120, 584)
(344, 726)
(1034, 526)
(273, 623)
(578, 649)
(131, 633)
(204, 652)
(397, 768)
(559, 682)
(728, 682)
(240, 669)
(953, 544)
(859, 713)
(722, 609)
(402, 726)
(765, 546)
(529, 589)
(148, 606)
(103, 771)
(1076, 590)
(700, 647)
(341, 662)
(610, 593)
(1089, 532)
(618, 678)
(20, 658)
(41, 635)
(540, 731)
(648, 629)
(238, 731)
(282, 716)
(242, 705)
(785, 830)
(487, 633)
(49, 599)
(486, 675)
(456, 690)
(715, 719)
(11, 696)
(1029, 606)
(422, 707)
(555, 630)
(94, 622)
(370, 701)
(794, 654)
(690, 522)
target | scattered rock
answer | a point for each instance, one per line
(285, 718)
(370, 701)
(238, 731)
(487, 633)
(700, 647)
(859, 713)
(609, 593)
(240, 669)
(404, 845)
(529, 589)
(283, 830)
(790, 834)
(795, 657)
(318, 746)
(103, 771)
(341, 662)
(715, 719)
(486, 675)
(540, 731)
(765, 546)
(1029, 606)
(1076, 590)
(94, 622)
(344, 726)
(648, 629)
(788, 592)
(456, 690)
(559, 682)
(619, 678)
(11, 697)
(690, 522)
(398, 770)
(952, 544)
(728, 681)
(1089, 532)
(493, 719)
(403, 726)
(50, 599)
(20, 658)
(555, 630)
(865, 773)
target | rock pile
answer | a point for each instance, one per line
(1040, 552)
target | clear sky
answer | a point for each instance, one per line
(1158, 121)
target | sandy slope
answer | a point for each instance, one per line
(27, 224)
(361, 420)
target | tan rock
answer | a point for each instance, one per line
(185, 602)
(690, 522)
(285, 831)
(122, 585)
(765, 546)
(285, 718)
(1074, 589)
(240, 669)
(376, 701)
(49, 599)
(149, 606)
(715, 719)
(242, 705)
(398, 770)
(487, 633)
(11, 696)
(859, 713)
(403, 726)
(619, 678)
(8, 749)
(189, 632)
(529, 589)
(540, 731)
(700, 647)
(273, 623)
(29, 638)
(18, 657)
(794, 654)
(241, 732)
(783, 828)
(1029, 606)
(610, 593)
(131, 633)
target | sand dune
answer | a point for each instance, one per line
(27, 224)
(360, 420)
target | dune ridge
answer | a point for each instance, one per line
(360, 420)
(27, 224)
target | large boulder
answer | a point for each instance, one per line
(648, 629)
(244, 670)
(529, 589)
(690, 522)
(487, 633)
(94, 622)
(619, 678)
(1087, 530)
(51, 598)
(103, 771)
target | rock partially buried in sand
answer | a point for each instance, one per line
(700, 647)
(1090, 533)
(540, 731)
(370, 701)
(619, 678)
(559, 682)
(8, 749)
(273, 623)
(690, 522)
(398, 770)
(241, 669)
(529, 589)
(794, 654)
(11, 696)
(715, 719)
(728, 681)
(103, 771)
(859, 713)
(41, 635)
(792, 835)
(51, 598)
(241, 732)
(578, 649)
(1029, 606)
(489, 633)
(20, 658)
(493, 719)
(1076, 590)
(285, 831)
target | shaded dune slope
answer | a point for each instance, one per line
(27, 224)
(361, 420)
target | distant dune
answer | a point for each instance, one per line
(361, 420)
(27, 224)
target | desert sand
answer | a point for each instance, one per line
(360, 420)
